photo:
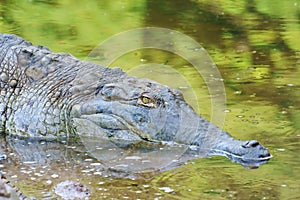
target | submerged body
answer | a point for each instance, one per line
(49, 95)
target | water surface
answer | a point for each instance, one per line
(256, 47)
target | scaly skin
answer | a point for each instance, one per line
(50, 95)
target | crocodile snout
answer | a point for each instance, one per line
(255, 151)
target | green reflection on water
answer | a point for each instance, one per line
(256, 47)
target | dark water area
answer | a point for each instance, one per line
(256, 48)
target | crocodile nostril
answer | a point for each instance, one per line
(254, 144)
(251, 143)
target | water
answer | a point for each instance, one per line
(256, 48)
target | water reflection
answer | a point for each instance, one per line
(96, 154)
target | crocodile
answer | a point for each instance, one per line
(55, 95)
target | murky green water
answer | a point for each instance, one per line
(256, 47)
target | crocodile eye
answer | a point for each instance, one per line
(147, 100)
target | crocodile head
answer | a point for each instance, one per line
(133, 109)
